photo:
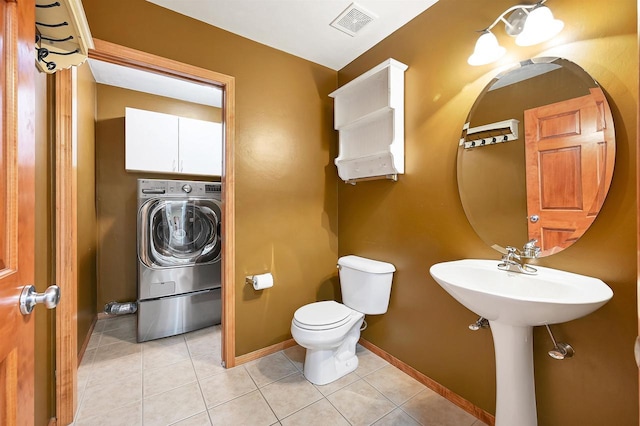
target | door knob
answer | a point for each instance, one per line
(534, 218)
(30, 298)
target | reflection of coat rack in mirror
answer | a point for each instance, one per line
(488, 134)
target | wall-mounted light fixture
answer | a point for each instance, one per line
(529, 23)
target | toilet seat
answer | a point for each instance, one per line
(322, 315)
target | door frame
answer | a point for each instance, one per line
(66, 328)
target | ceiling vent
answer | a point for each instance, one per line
(353, 19)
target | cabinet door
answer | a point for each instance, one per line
(151, 141)
(200, 147)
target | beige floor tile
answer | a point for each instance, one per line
(99, 327)
(368, 362)
(172, 406)
(122, 334)
(85, 368)
(361, 403)
(394, 384)
(270, 369)
(215, 331)
(159, 380)
(290, 394)
(226, 386)
(123, 321)
(430, 408)
(94, 340)
(249, 409)
(201, 419)
(336, 385)
(117, 350)
(479, 423)
(128, 415)
(163, 352)
(100, 400)
(118, 369)
(397, 418)
(296, 355)
(208, 365)
(206, 341)
(319, 413)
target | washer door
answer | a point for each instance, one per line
(179, 232)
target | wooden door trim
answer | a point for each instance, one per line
(66, 352)
(66, 247)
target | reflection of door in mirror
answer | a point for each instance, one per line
(569, 155)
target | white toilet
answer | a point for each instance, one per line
(330, 330)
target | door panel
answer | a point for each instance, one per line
(16, 209)
(569, 153)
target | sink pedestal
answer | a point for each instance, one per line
(516, 394)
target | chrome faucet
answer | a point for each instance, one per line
(514, 260)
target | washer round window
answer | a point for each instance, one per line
(184, 232)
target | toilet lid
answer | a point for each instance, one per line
(328, 314)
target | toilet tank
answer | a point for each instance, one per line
(365, 284)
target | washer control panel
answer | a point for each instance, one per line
(150, 188)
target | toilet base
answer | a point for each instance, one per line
(323, 366)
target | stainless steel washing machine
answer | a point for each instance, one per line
(179, 257)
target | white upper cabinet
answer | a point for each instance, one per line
(151, 141)
(200, 147)
(164, 143)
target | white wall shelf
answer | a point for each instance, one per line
(369, 116)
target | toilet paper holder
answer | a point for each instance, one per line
(260, 281)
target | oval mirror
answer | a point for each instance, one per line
(536, 156)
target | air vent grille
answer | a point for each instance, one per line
(353, 19)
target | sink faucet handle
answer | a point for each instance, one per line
(530, 249)
(511, 253)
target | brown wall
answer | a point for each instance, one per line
(285, 180)
(87, 228)
(419, 221)
(116, 188)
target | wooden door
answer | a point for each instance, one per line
(569, 149)
(17, 109)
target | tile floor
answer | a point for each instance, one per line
(179, 381)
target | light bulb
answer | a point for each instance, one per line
(487, 50)
(540, 26)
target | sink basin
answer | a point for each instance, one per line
(548, 297)
(514, 303)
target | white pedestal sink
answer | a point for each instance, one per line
(514, 303)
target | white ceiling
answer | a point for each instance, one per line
(302, 27)
(299, 27)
